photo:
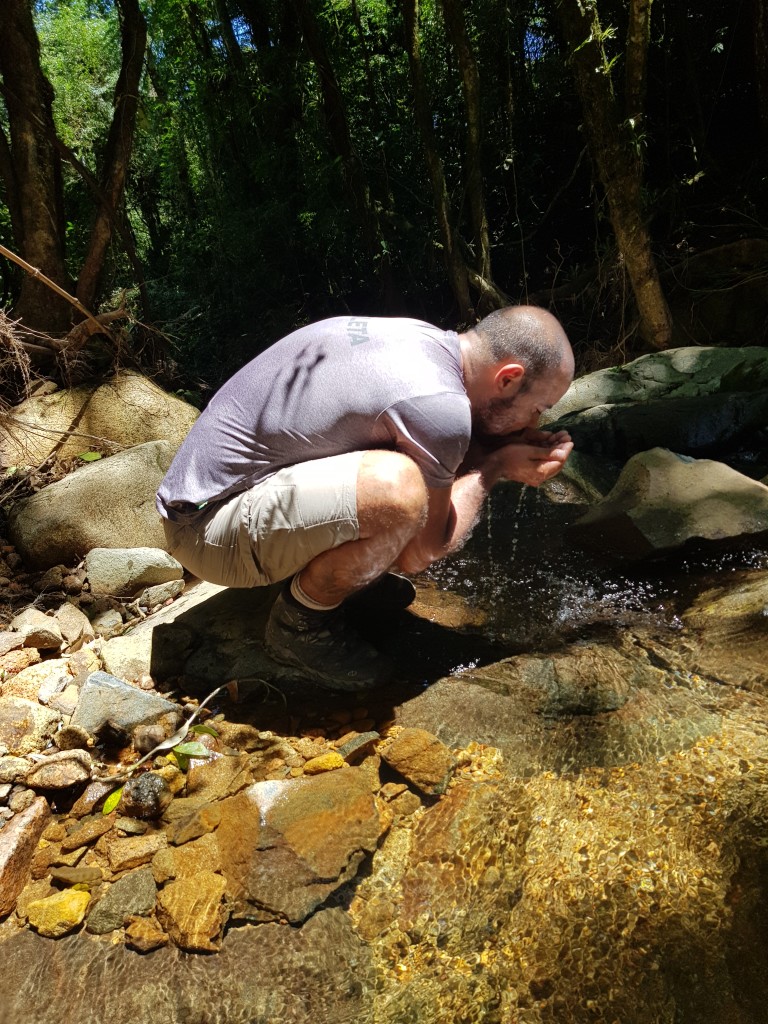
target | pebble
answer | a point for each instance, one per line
(20, 799)
(58, 914)
(356, 741)
(124, 854)
(144, 935)
(324, 763)
(133, 894)
(202, 820)
(87, 876)
(145, 796)
(88, 831)
(131, 826)
(62, 770)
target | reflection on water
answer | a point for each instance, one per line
(535, 586)
(618, 871)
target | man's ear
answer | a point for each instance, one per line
(509, 377)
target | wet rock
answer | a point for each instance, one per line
(75, 627)
(147, 737)
(145, 796)
(124, 854)
(450, 610)
(661, 500)
(38, 629)
(106, 699)
(18, 842)
(133, 894)
(109, 503)
(25, 726)
(194, 824)
(87, 831)
(355, 743)
(192, 911)
(91, 797)
(186, 861)
(125, 572)
(59, 771)
(421, 758)
(58, 914)
(215, 778)
(730, 626)
(319, 973)
(286, 845)
(83, 876)
(144, 935)
(591, 705)
(35, 889)
(131, 826)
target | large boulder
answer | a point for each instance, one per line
(125, 411)
(677, 373)
(692, 400)
(106, 504)
(661, 500)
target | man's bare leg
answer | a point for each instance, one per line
(304, 631)
(391, 509)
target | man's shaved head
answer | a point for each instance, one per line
(527, 335)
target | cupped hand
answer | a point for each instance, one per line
(533, 464)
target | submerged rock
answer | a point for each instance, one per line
(287, 845)
(192, 911)
(133, 894)
(421, 758)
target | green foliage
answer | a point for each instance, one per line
(238, 200)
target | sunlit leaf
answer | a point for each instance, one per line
(207, 730)
(89, 456)
(112, 800)
(192, 750)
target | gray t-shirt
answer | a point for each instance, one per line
(344, 384)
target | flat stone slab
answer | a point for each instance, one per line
(105, 698)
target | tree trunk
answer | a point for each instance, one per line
(636, 59)
(337, 124)
(32, 170)
(470, 86)
(119, 145)
(454, 264)
(760, 18)
(618, 165)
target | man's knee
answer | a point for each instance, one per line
(390, 488)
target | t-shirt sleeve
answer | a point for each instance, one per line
(434, 430)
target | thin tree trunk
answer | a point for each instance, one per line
(617, 165)
(32, 170)
(760, 18)
(470, 86)
(454, 264)
(119, 145)
(337, 123)
(636, 58)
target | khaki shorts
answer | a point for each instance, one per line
(268, 533)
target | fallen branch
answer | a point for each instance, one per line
(40, 276)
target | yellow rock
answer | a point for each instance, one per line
(324, 763)
(58, 914)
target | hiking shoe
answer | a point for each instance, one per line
(322, 648)
(389, 593)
